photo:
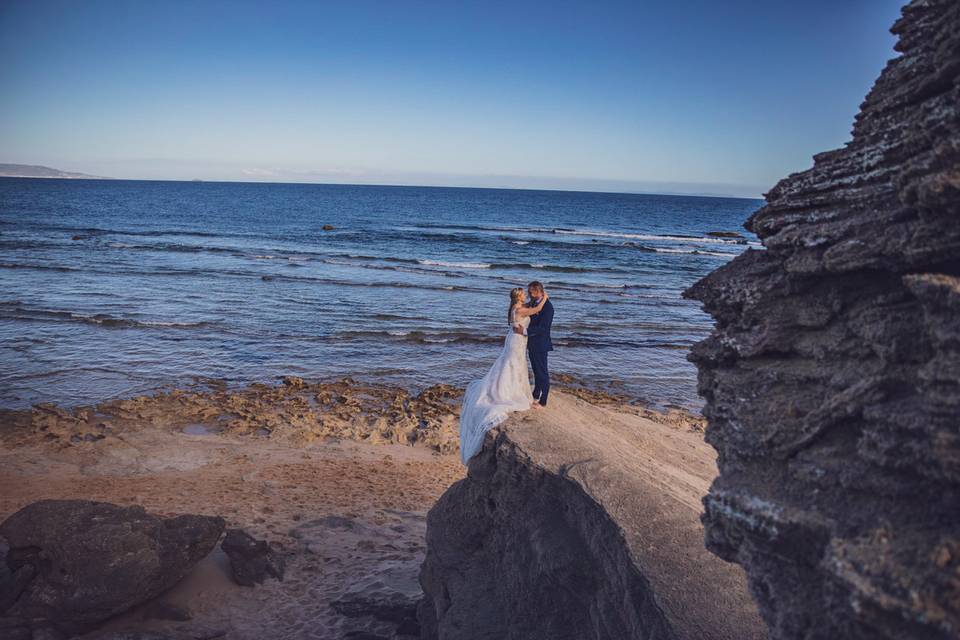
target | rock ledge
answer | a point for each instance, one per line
(580, 523)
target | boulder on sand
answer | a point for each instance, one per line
(252, 561)
(73, 563)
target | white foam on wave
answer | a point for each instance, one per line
(641, 236)
(455, 265)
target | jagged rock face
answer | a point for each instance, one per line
(73, 563)
(832, 379)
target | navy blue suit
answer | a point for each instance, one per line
(538, 346)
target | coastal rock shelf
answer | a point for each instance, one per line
(295, 411)
(581, 522)
(832, 379)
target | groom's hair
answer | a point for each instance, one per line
(535, 285)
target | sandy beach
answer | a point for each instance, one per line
(337, 476)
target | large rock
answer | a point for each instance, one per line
(832, 380)
(251, 561)
(578, 523)
(75, 562)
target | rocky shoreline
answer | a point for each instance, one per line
(295, 411)
(326, 483)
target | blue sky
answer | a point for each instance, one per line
(685, 96)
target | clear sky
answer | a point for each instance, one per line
(664, 96)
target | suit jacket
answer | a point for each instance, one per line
(538, 333)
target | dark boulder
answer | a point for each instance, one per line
(75, 563)
(252, 561)
(328, 227)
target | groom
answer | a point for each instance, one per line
(539, 343)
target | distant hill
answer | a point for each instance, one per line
(36, 171)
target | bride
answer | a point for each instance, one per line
(505, 387)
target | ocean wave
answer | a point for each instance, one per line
(467, 227)
(372, 285)
(455, 265)
(173, 247)
(694, 252)
(550, 267)
(585, 232)
(37, 267)
(407, 266)
(463, 265)
(16, 311)
(86, 232)
(417, 336)
(577, 286)
(646, 236)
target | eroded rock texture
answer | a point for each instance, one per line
(832, 379)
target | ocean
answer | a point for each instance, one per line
(118, 288)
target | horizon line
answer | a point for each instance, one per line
(393, 185)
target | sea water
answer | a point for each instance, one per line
(115, 288)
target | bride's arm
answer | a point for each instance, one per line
(522, 311)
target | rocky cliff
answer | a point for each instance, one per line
(832, 379)
(579, 522)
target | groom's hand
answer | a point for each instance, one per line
(518, 331)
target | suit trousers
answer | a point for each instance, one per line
(541, 375)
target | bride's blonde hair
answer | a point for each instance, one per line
(516, 295)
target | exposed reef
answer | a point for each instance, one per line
(295, 411)
(832, 379)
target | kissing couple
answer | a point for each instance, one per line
(506, 387)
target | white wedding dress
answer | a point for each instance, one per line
(505, 388)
